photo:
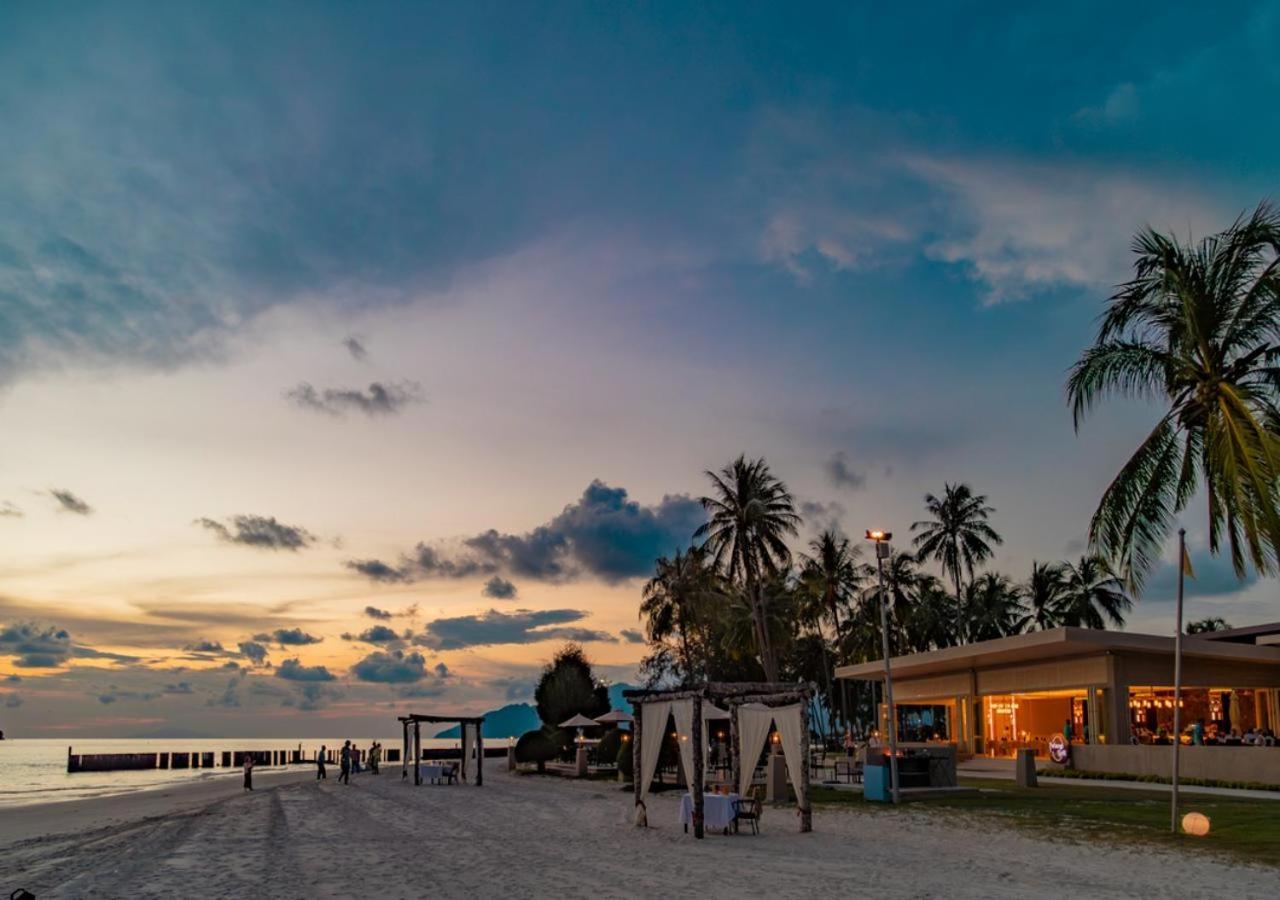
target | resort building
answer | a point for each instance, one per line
(1109, 693)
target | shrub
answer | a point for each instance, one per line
(610, 745)
(536, 747)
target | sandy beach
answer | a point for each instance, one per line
(530, 836)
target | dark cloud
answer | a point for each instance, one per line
(377, 570)
(253, 651)
(356, 348)
(230, 696)
(631, 636)
(69, 502)
(106, 699)
(842, 473)
(35, 647)
(391, 667)
(499, 588)
(288, 637)
(514, 688)
(263, 532)
(79, 651)
(12, 701)
(1215, 577)
(294, 670)
(205, 646)
(522, 626)
(822, 516)
(9, 511)
(603, 534)
(13, 679)
(434, 683)
(374, 613)
(378, 400)
(182, 687)
(232, 664)
(312, 696)
(377, 634)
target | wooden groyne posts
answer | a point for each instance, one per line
(205, 759)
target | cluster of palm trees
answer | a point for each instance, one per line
(739, 605)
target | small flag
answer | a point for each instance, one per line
(1186, 565)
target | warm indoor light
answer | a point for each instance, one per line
(1195, 823)
(878, 535)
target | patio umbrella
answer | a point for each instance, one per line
(615, 717)
(579, 722)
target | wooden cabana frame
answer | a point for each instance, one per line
(734, 694)
(415, 720)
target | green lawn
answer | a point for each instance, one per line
(1241, 828)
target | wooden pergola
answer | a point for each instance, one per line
(734, 695)
(416, 720)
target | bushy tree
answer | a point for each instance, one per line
(568, 687)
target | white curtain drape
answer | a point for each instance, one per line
(653, 726)
(753, 730)
(790, 729)
(682, 711)
(466, 748)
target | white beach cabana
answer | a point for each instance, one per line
(753, 708)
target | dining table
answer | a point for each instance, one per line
(717, 811)
(434, 772)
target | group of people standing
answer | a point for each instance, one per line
(350, 759)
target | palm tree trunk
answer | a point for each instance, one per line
(959, 610)
(767, 661)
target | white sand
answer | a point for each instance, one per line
(522, 837)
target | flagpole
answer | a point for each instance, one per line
(1177, 679)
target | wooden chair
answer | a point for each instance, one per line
(747, 809)
(451, 774)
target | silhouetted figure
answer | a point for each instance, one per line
(248, 772)
(344, 776)
(321, 774)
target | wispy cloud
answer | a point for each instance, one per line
(377, 400)
(841, 472)
(69, 502)
(262, 532)
(356, 348)
(522, 626)
(9, 511)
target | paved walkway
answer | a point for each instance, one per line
(984, 767)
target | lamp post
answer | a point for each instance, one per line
(881, 540)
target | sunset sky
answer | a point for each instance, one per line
(353, 358)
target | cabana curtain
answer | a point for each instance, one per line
(790, 728)
(653, 729)
(682, 711)
(753, 731)
(466, 748)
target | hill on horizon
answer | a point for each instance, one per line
(515, 719)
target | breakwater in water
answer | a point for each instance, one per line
(234, 759)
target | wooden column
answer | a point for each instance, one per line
(696, 775)
(479, 755)
(636, 726)
(801, 778)
(417, 752)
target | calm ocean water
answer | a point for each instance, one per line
(35, 771)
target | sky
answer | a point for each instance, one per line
(353, 357)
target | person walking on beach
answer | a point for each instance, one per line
(344, 776)
(248, 771)
(321, 774)
(375, 757)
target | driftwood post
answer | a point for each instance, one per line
(637, 764)
(479, 756)
(802, 777)
(696, 779)
(417, 751)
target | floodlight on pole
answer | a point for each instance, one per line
(881, 540)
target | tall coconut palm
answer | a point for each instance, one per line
(902, 578)
(1196, 331)
(993, 608)
(751, 514)
(828, 579)
(673, 601)
(957, 536)
(1042, 595)
(1092, 595)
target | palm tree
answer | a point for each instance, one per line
(1043, 594)
(1208, 626)
(1092, 594)
(902, 579)
(957, 535)
(751, 515)
(1197, 331)
(673, 599)
(828, 580)
(993, 608)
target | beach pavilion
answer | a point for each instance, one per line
(1109, 694)
(472, 736)
(753, 709)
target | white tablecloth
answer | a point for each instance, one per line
(717, 810)
(433, 773)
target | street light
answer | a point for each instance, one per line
(881, 540)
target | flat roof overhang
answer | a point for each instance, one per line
(1055, 643)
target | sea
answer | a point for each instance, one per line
(34, 771)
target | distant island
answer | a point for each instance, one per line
(515, 719)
